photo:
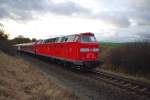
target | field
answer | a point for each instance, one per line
(20, 81)
(105, 48)
(126, 58)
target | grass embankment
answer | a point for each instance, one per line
(19, 81)
(131, 59)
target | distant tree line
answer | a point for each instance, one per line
(6, 45)
(22, 39)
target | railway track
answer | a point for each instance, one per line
(131, 85)
(135, 86)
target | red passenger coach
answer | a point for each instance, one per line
(81, 49)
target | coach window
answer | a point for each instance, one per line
(49, 40)
(40, 42)
(66, 38)
(59, 39)
(46, 41)
(71, 38)
(76, 38)
(52, 40)
(63, 39)
(56, 40)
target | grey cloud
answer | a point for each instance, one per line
(140, 11)
(141, 4)
(145, 35)
(67, 8)
(119, 12)
(134, 33)
(130, 34)
(18, 9)
(140, 17)
(3, 12)
(116, 12)
(23, 9)
(116, 18)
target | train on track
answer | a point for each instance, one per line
(81, 50)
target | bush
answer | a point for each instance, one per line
(132, 57)
(7, 47)
(5, 44)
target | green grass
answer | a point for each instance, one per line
(110, 44)
(105, 47)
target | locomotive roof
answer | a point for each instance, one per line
(87, 33)
(53, 39)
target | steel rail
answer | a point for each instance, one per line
(133, 85)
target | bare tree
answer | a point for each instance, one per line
(3, 36)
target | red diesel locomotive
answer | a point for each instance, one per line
(81, 49)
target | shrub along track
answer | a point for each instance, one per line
(131, 85)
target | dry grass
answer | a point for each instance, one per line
(19, 81)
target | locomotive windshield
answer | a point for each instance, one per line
(87, 38)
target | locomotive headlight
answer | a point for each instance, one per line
(95, 49)
(84, 50)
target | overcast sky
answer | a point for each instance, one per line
(110, 20)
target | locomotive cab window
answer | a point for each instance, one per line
(86, 38)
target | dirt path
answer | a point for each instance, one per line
(84, 87)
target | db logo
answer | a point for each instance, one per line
(90, 56)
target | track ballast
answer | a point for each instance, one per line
(131, 85)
